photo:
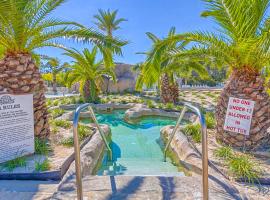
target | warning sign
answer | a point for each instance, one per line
(239, 115)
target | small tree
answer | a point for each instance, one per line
(87, 71)
(53, 66)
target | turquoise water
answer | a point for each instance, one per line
(137, 148)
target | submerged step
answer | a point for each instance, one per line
(139, 167)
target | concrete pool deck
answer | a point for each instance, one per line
(119, 188)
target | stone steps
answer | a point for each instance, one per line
(139, 166)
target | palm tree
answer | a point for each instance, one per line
(242, 44)
(107, 21)
(161, 67)
(87, 71)
(26, 26)
(54, 67)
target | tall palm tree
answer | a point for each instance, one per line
(53, 66)
(26, 26)
(242, 44)
(161, 67)
(107, 21)
(88, 71)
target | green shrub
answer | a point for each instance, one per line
(68, 142)
(193, 130)
(42, 146)
(41, 167)
(239, 165)
(224, 152)
(55, 102)
(242, 166)
(124, 101)
(57, 112)
(84, 131)
(160, 105)
(150, 104)
(80, 100)
(210, 120)
(48, 102)
(62, 123)
(169, 106)
(211, 95)
(53, 128)
(179, 108)
(17, 162)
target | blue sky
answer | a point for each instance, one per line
(156, 16)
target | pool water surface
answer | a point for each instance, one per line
(137, 148)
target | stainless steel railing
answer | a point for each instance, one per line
(204, 144)
(77, 145)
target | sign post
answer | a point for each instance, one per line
(239, 115)
(16, 126)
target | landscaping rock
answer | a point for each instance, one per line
(140, 110)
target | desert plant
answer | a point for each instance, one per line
(224, 152)
(42, 146)
(169, 106)
(242, 166)
(150, 103)
(193, 130)
(62, 123)
(42, 166)
(17, 162)
(210, 120)
(68, 142)
(54, 113)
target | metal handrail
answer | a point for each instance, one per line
(204, 144)
(77, 145)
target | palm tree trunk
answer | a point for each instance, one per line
(90, 91)
(19, 75)
(165, 89)
(54, 83)
(245, 85)
(174, 89)
(86, 91)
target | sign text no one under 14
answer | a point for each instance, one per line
(239, 115)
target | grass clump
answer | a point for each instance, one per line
(193, 130)
(17, 162)
(62, 123)
(42, 146)
(169, 106)
(42, 166)
(150, 104)
(56, 112)
(160, 105)
(242, 166)
(239, 165)
(55, 102)
(210, 120)
(68, 142)
(83, 131)
(224, 152)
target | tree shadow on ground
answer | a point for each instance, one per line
(168, 187)
(126, 191)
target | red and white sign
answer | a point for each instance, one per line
(239, 115)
